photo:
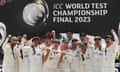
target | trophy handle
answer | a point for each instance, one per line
(3, 32)
(119, 33)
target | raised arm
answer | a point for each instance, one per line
(6, 41)
(115, 36)
(23, 41)
(46, 55)
(116, 42)
(119, 32)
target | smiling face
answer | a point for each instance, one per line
(97, 42)
(69, 35)
(83, 38)
(47, 41)
(13, 42)
(75, 44)
(83, 48)
(35, 42)
(56, 45)
(64, 46)
(108, 41)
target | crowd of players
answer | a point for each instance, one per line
(66, 54)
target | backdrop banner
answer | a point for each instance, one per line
(38, 16)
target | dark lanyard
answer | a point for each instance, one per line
(21, 52)
(13, 52)
(99, 49)
(34, 52)
(82, 58)
(105, 51)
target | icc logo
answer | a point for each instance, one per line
(35, 12)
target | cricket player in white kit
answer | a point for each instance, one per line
(69, 36)
(83, 56)
(86, 55)
(10, 59)
(35, 56)
(23, 58)
(98, 54)
(51, 58)
(46, 44)
(75, 52)
(110, 52)
(65, 59)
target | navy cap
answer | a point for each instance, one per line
(65, 41)
(109, 36)
(83, 43)
(35, 38)
(47, 36)
(56, 41)
(97, 38)
(74, 40)
(83, 34)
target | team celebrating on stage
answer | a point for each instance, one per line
(65, 54)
